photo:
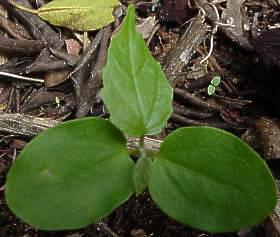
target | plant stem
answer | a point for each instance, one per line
(85, 40)
(142, 148)
(142, 142)
(26, 9)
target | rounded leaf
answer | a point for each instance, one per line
(136, 91)
(71, 175)
(211, 90)
(216, 81)
(211, 180)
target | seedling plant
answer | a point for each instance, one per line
(215, 82)
(78, 172)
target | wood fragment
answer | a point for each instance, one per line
(269, 134)
(30, 126)
(24, 125)
(187, 45)
(21, 47)
(3, 12)
(191, 113)
(18, 77)
(234, 14)
(184, 121)
(196, 100)
(230, 32)
(264, 135)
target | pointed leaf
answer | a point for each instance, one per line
(211, 180)
(82, 15)
(142, 173)
(71, 175)
(136, 90)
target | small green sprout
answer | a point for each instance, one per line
(57, 102)
(213, 84)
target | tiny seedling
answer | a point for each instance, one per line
(213, 84)
(57, 102)
(78, 172)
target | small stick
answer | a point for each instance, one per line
(30, 126)
(24, 125)
(30, 79)
(191, 122)
(196, 101)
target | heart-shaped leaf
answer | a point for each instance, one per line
(71, 175)
(136, 90)
(211, 180)
(82, 15)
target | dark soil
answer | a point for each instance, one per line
(249, 93)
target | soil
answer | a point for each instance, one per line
(248, 97)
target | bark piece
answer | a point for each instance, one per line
(29, 126)
(23, 124)
(265, 135)
(182, 52)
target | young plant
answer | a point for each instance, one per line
(213, 84)
(79, 171)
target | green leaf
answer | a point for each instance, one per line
(136, 91)
(211, 180)
(216, 81)
(211, 90)
(142, 173)
(82, 15)
(71, 175)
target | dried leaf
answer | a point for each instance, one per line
(82, 15)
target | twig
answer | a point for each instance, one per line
(196, 101)
(29, 126)
(24, 125)
(189, 112)
(191, 122)
(30, 79)
(21, 47)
